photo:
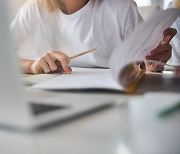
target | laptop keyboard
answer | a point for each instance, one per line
(39, 109)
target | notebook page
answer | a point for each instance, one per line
(30, 79)
(82, 78)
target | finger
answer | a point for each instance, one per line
(50, 62)
(168, 35)
(57, 54)
(43, 64)
(60, 69)
(157, 68)
(154, 67)
(158, 57)
(66, 68)
(64, 59)
(178, 73)
(160, 49)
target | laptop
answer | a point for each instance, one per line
(17, 108)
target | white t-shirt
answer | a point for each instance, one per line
(175, 42)
(104, 23)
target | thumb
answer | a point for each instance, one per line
(168, 35)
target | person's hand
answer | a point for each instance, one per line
(162, 53)
(48, 63)
(130, 72)
(177, 71)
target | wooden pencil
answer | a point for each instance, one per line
(84, 52)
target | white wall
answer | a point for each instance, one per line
(162, 3)
(143, 2)
(166, 2)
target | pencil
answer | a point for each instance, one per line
(84, 52)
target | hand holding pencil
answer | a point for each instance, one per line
(55, 61)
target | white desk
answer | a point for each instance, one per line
(98, 133)
(103, 132)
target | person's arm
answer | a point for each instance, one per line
(47, 63)
(26, 65)
(176, 44)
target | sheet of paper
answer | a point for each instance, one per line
(35, 79)
(81, 78)
(144, 39)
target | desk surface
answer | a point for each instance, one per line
(103, 132)
(97, 133)
(159, 82)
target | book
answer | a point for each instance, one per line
(82, 78)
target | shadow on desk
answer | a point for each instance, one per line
(158, 82)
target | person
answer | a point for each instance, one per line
(176, 40)
(175, 59)
(47, 31)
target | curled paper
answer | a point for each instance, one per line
(138, 45)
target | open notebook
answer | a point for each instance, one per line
(81, 78)
(145, 38)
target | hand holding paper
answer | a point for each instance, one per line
(162, 53)
(135, 49)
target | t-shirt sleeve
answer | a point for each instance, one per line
(22, 29)
(132, 20)
(176, 44)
